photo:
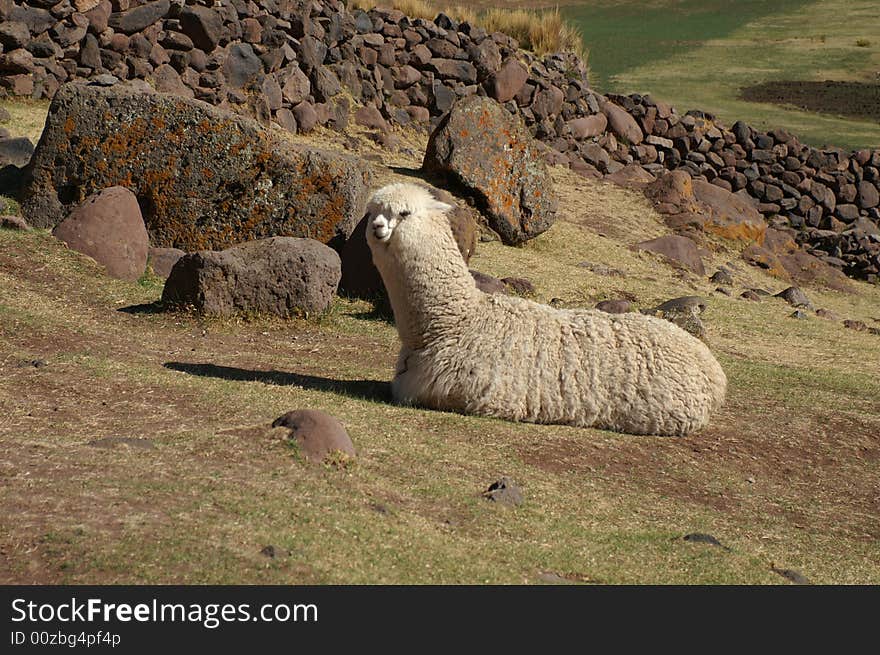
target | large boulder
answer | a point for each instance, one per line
(281, 275)
(729, 215)
(108, 227)
(688, 202)
(204, 178)
(488, 153)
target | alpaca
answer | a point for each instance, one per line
(507, 357)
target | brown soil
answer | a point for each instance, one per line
(850, 99)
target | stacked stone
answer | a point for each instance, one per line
(829, 200)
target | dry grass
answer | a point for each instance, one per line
(542, 31)
(785, 475)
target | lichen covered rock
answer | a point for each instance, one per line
(486, 151)
(204, 178)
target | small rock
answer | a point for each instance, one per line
(685, 302)
(749, 294)
(858, 326)
(504, 491)
(678, 249)
(316, 433)
(615, 306)
(722, 276)
(795, 297)
(272, 552)
(14, 223)
(826, 313)
(792, 575)
(723, 290)
(797, 314)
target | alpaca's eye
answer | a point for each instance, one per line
(405, 213)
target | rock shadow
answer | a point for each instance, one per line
(366, 389)
(155, 307)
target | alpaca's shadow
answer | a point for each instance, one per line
(366, 389)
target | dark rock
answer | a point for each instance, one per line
(14, 35)
(297, 87)
(316, 434)
(722, 276)
(795, 297)
(203, 25)
(504, 491)
(799, 314)
(204, 178)
(853, 324)
(241, 65)
(139, 18)
(508, 81)
(306, 116)
(281, 275)
(622, 123)
(483, 149)
(108, 227)
(868, 195)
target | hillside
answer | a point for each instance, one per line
(138, 447)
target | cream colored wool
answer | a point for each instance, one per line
(511, 358)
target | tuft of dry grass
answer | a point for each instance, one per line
(540, 31)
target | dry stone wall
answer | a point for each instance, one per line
(302, 64)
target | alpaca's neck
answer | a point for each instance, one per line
(430, 287)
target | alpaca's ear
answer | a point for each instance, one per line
(439, 206)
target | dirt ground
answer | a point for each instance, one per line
(137, 444)
(852, 99)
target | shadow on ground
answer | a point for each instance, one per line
(366, 389)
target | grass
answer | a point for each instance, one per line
(698, 55)
(27, 117)
(220, 484)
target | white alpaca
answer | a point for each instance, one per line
(496, 355)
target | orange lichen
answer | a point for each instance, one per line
(748, 232)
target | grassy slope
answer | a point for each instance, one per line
(785, 476)
(706, 56)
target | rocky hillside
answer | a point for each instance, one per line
(304, 64)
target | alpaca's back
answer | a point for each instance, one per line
(521, 360)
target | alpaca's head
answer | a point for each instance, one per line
(396, 203)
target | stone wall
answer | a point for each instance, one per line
(302, 64)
